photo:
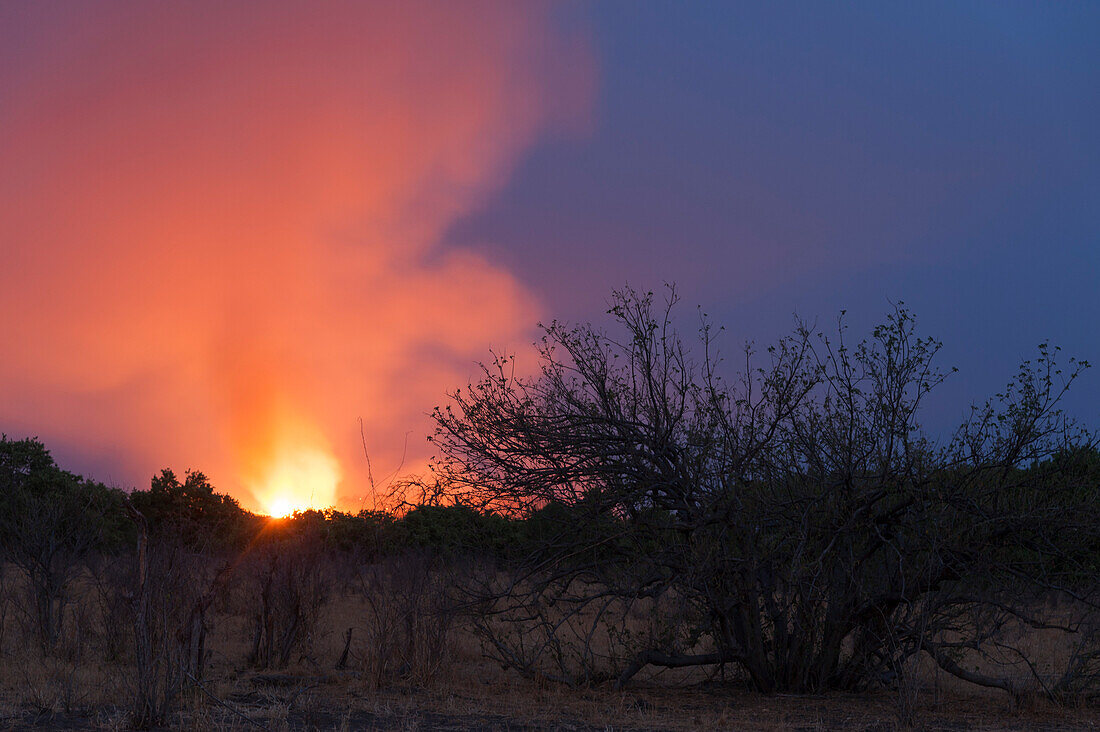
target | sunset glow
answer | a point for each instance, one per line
(299, 481)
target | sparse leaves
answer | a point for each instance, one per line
(816, 536)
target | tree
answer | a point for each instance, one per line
(796, 521)
(50, 521)
(193, 513)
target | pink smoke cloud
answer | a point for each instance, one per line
(221, 226)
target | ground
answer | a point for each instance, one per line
(339, 702)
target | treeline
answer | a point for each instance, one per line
(45, 508)
(47, 511)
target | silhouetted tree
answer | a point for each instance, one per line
(796, 522)
(50, 521)
(194, 513)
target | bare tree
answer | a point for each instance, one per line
(409, 618)
(169, 592)
(287, 586)
(797, 517)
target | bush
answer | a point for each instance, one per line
(458, 529)
(287, 585)
(409, 619)
(194, 513)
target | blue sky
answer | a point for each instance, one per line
(804, 157)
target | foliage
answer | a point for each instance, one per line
(192, 512)
(50, 521)
(368, 534)
(457, 529)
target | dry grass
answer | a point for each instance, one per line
(85, 684)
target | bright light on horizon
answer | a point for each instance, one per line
(299, 480)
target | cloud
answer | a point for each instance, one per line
(220, 224)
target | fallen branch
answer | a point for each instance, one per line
(950, 666)
(225, 704)
(656, 658)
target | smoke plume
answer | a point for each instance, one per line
(221, 225)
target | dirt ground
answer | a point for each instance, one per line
(339, 702)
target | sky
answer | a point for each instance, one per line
(229, 231)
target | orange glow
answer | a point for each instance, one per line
(298, 481)
(221, 228)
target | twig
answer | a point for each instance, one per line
(370, 473)
(239, 713)
(300, 690)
